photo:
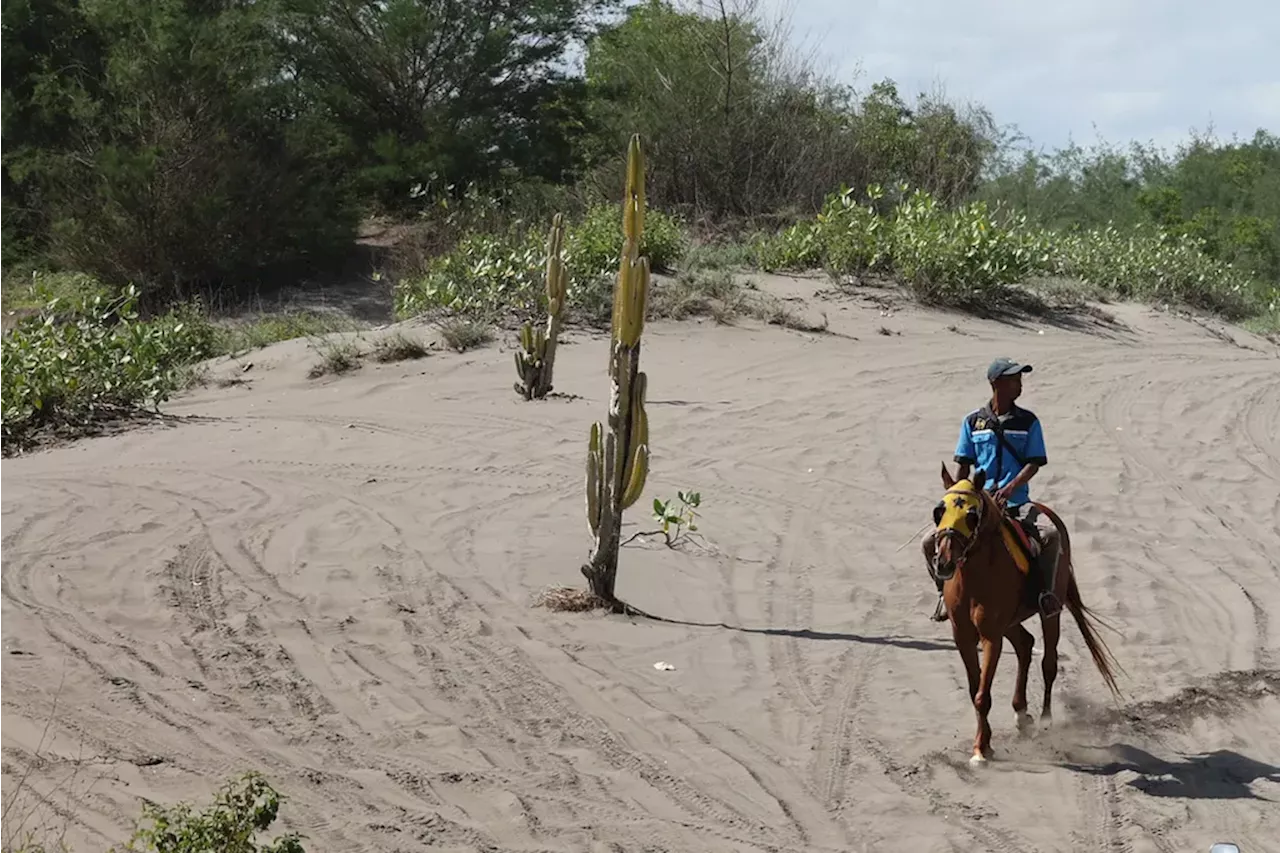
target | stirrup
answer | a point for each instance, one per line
(1049, 605)
(940, 610)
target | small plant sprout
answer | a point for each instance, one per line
(682, 520)
(678, 520)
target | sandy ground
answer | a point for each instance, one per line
(329, 580)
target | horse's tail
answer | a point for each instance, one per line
(1102, 657)
(1085, 618)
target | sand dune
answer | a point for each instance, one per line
(329, 580)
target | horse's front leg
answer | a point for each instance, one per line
(966, 637)
(982, 701)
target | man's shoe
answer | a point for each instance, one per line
(1049, 605)
(940, 611)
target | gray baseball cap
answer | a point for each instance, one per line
(1005, 367)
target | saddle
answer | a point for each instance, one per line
(1023, 542)
(1021, 539)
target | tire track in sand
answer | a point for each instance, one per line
(195, 577)
(101, 649)
(512, 700)
(850, 747)
(1115, 417)
(234, 658)
(837, 758)
(1117, 413)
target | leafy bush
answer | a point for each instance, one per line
(958, 257)
(242, 808)
(967, 256)
(492, 274)
(1155, 264)
(79, 362)
(751, 127)
(796, 247)
(483, 274)
(267, 329)
(43, 287)
(847, 237)
(947, 256)
(683, 520)
(720, 253)
(595, 244)
(1226, 193)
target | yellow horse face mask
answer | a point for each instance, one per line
(960, 510)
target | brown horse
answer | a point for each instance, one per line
(985, 575)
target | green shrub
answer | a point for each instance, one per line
(483, 274)
(243, 808)
(947, 256)
(81, 361)
(492, 274)
(967, 257)
(43, 287)
(165, 145)
(1154, 264)
(595, 244)
(718, 255)
(240, 337)
(854, 239)
(958, 257)
(796, 247)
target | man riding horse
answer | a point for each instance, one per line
(1007, 442)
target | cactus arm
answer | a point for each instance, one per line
(557, 296)
(595, 480)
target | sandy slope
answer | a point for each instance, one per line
(329, 580)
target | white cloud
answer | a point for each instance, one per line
(1149, 70)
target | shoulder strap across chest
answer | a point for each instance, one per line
(998, 429)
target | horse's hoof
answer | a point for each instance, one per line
(1026, 724)
(977, 760)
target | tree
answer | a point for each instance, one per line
(52, 61)
(444, 92)
(738, 128)
(186, 157)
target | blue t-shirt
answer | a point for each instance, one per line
(980, 447)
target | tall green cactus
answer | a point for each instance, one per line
(618, 457)
(535, 364)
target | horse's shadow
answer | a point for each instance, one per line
(1219, 775)
(810, 634)
(840, 636)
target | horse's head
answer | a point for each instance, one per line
(958, 518)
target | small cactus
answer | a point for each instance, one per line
(618, 456)
(536, 359)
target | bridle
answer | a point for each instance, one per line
(970, 541)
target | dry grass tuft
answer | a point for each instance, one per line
(568, 599)
(398, 347)
(336, 357)
(461, 334)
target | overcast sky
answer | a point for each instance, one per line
(1149, 70)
